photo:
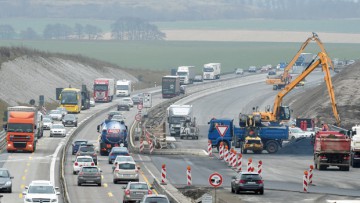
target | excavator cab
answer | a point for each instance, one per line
(284, 113)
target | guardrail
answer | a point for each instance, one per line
(2, 140)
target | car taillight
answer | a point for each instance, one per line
(127, 192)
(260, 182)
(242, 181)
(81, 173)
(346, 157)
(94, 154)
(76, 164)
(323, 157)
(149, 192)
(110, 154)
(92, 164)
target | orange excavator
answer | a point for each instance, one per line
(282, 113)
(280, 81)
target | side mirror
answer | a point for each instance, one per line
(138, 167)
(5, 127)
(26, 187)
(24, 193)
(98, 128)
(100, 171)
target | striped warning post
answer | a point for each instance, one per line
(305, 182)
(210, 148)
(231, 154)
(141, 145)
(163, 174)
(311, 174)
(234, 159)
(260, 167)
(221, 152)
(151, 143)
(188, 175)
(239, 162)
(226, 154)
(249, 164)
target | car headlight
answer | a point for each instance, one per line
(28, 200)
(8, 183)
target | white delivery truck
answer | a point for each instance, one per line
(211, 71)
(186, 74)
(176, 115)
(355, 147)
(123, 88)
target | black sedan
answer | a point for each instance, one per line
(247, 181)
(5, 180)
(70, 119)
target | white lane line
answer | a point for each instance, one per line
(53, 161)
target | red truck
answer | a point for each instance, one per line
(104, 89)
(332, 148)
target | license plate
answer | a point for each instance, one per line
(251, 182)
(139, 193)
(126, 175)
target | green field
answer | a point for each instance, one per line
(164, 55)
(334, 25)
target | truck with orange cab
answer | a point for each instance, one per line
(22, 130)
(332, 148)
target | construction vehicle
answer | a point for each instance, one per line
(22, 129)
(85, 97)
(280, 81)
(331, 149)
(282, 113)
(252, 143)
(189, 129)
(177, 114)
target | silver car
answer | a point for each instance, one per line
(47, 123)
(125, 172)
(56, 115)
(155, 198)
(135, 191)
(57, 129)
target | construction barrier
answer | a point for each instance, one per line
(221, 152)
(226, 154)
(234, 161)
(210, 148)
(188, 175)
(239, 162)
(141, 145)
(311, 174)
(260, 167)
(305, 181)
(151, 143)
(231, 154)
(163, 174)
(249, 164)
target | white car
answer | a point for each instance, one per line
(56, 115)
(295, 133)
(92, 102)
(127, 100)
(121, 158)
(57, 130)
(47, 123)
(126, 171)
(39, 191)
(81, 161)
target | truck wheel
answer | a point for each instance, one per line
(272, 147)
(344, 168)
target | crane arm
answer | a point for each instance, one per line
(323, 60)
(302, 48)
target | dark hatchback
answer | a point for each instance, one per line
(89, 175)
(88, 150)
(76, 145)
(247, 181)
(70, 119)
(5, 180)
(115, 151)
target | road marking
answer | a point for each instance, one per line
(102, 177)
(23, 178)
(110, 194)
(20, 195)
(30, 157)
(105, 185)
(146, 180)
(53, 161)
(25, 171)
(22, 186)
(28, 164)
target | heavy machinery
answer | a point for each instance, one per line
(189, 129)
(280, 81)
(282, 113)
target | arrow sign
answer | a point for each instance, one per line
(222, 129)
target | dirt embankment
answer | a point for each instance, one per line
(316, 102)
(27, 77)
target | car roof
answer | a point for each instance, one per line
(126, 162)
(41, 182)
(156, 195)
(249, 173)
(83, 157)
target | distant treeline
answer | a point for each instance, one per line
(125, 28)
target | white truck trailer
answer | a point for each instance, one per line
(355, 147)
(123, 88)
(211, 71)
(186, 74)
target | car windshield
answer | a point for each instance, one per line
(177, 119)
(69, 116)
(47, 120)
(58, 127)
(250, 177)
(99, 87)
(208, 70)
(41, 189)
(80, 142)
(123, 158)
(84, 159)
(297, 130)
(90, 169)
(127, 100)
(138, 186)
(55, 112)
(127, 166)
(20, 127)
(156, 200)
(182, 73)
(4, 174)
(87, 149)
(117, 117)
(254, 141)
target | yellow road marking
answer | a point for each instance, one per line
(28, 164)
(23, 178)
(105, 185)
(22, 186)
(20, 195)
(30, 157)
(147, 181)
(102, 177)
(25, 171)
(110, 194)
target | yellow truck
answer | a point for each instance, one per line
(252, 143)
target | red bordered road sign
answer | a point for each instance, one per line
(215, 180)
(222, 129)
(140, 106)
(138, 117)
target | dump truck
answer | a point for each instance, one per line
(22, 129)
(332, 148)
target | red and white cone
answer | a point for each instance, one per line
(305, 182)
(163, 174)
(188, 175)
(210, 148)
(141, 145)
(260, 168)
(226, 154)
(231, 154)
(221, 152)
(249, 165)
(311, 174)
(234, 159)
(239, 162)
(147, 136)
(151, 146)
